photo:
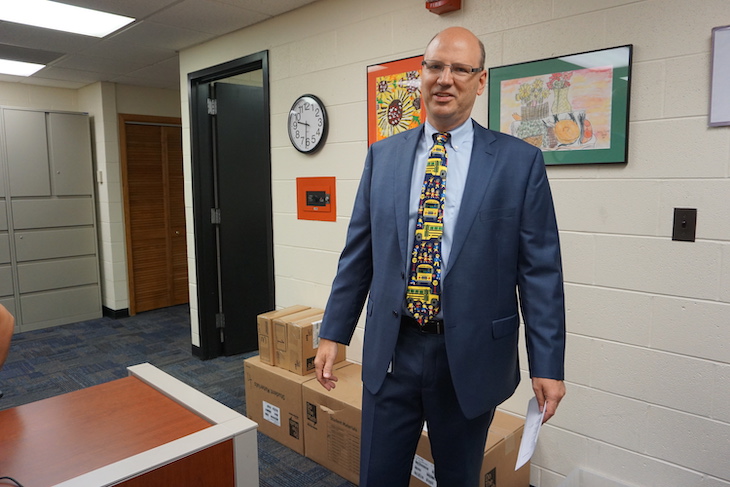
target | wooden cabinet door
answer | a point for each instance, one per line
(155, 213)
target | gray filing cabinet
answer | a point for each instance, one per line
(49, 259)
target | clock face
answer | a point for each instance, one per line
(307, 123)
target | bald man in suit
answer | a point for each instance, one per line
(450, 366)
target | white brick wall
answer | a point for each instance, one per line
(648, 364)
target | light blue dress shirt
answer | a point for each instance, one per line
(458, 152)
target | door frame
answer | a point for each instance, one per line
(123, 118)
(202, 143)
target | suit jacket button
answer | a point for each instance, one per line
(395, 313)
(402, 275)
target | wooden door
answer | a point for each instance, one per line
(152, 178)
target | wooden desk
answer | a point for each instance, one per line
(148, 429)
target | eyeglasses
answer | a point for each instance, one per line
(457, 69)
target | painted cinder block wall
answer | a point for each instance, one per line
(648, 318)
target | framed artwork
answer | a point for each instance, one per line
(720, 80)
(394, 97)
(574, 108)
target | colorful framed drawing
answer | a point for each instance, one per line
(575, 108)
(394, 97)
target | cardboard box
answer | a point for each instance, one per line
(274, 401)
(332, 423)
(500, 456)
(303, 341)
(264, 323)
(281, 334)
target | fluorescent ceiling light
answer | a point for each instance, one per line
(59, 16)
(18, 68)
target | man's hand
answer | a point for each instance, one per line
(323, 362)
(548, 391)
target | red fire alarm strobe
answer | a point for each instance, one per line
(442, 6)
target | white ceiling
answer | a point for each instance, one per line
(142, 53)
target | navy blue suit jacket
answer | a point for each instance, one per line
(506, 239)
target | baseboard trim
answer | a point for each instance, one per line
(115, 314)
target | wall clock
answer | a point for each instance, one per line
(307, 124)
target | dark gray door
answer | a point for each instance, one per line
(244, 184)
(232, 205)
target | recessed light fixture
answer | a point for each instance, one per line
(19, 68)
(59, 16)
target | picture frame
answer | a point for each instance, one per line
(720, 77)
(575, 108)
(394, 97)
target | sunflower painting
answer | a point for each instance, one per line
(394, 98)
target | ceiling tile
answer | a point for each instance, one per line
(37, 56)
(168, 84)
(267, 6)
(208, 16)
(83, 62)
(44, 39)
(168, 70)
(162, 36)
(63, 74)
(119, 49)
(55, 83)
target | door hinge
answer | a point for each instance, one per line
(215, 216)
(212, 106)
(220, 320)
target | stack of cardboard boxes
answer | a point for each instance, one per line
(288, 342)
(290, 406)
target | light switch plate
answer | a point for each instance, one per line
(685, 224)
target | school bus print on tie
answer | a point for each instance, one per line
(424, 285)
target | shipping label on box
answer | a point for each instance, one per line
(332, 423)
(500, 457)
(272, 414)
(265, 326)
(424, 471)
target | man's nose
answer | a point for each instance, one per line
(446, 77)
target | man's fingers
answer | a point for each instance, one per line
(540, 397)
(323, 363)
(549, 393)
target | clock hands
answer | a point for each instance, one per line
(306, 127)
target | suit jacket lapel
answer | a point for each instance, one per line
(402, 172)
(478, 181)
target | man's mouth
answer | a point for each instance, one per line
(442, 96)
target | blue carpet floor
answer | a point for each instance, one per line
(52, 361)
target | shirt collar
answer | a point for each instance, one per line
(459, 136)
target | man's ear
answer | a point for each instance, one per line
(482, 82)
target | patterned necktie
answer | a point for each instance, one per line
(424, 284)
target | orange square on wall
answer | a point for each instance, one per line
(316, 199)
